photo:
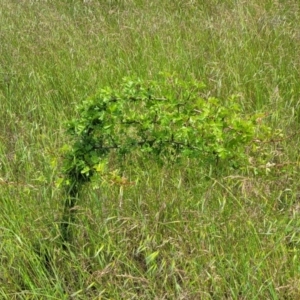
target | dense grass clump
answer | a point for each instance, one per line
(151, 230)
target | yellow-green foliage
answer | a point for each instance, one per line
(169, 119)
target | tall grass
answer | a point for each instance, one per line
(179, 232)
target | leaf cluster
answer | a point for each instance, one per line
(169, 119)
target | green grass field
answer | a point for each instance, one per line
(179, 232)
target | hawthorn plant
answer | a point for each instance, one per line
(168, 119)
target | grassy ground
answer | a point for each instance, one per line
(175, 234)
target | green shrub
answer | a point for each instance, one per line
(171, 119)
